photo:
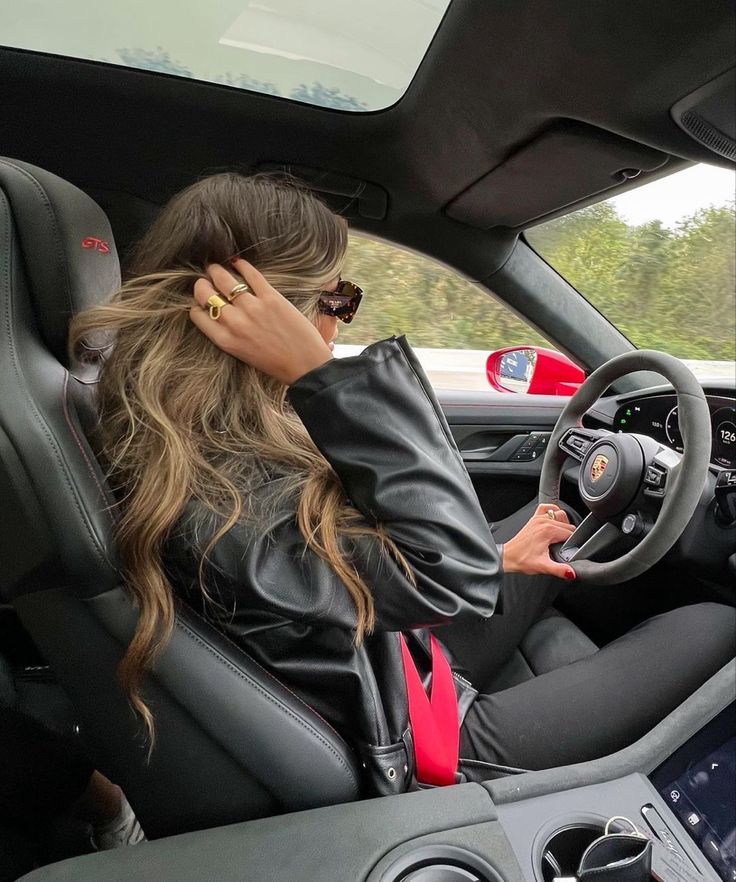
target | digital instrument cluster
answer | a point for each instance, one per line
(656, 416)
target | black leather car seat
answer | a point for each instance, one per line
(232, 742)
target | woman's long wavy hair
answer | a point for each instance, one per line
(181, 420)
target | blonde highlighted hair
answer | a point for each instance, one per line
(181, 420)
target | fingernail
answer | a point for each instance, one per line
(570, 575)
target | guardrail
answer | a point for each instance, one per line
(465, 369)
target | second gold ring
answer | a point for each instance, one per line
(236, 291)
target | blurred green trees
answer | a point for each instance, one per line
(406, 293)
(669, 289)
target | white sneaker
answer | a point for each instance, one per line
(124, 829)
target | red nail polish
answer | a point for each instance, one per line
(570, 575)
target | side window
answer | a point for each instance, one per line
(451, 323)
(658, 262)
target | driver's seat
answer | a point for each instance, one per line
(232, 742)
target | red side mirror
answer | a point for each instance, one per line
(533, 370)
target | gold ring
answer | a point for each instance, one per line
(551, 514)
(237, 291)
(215, 304)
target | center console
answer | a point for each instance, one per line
(677, 785)
(687, 804)
(550, 833)
(698, 783)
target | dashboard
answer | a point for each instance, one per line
(656, 416)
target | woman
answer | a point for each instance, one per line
(314, 508)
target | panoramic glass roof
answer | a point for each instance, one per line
(354, 55)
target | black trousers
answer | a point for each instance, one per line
(607, 701)
(594, 706)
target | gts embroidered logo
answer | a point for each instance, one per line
(92, 243)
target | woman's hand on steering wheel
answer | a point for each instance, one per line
(528, 551)
(256, 324)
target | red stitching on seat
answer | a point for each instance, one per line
(274, 700)
(268, 673)
(80, 445)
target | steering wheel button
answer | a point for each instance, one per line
(629, 524)
(654, 478)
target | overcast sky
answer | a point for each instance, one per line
(678, 195)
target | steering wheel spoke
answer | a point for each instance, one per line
(590, 538)
(660, 472)
(577, 441)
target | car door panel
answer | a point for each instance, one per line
(491, 430)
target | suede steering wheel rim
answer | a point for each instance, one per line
(621, 473)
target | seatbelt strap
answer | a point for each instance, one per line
(434, 721)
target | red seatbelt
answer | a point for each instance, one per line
(434, 722)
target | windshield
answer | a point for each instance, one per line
(659, 262)
(344, 54)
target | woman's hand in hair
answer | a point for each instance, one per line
(260, 327)
(528, 551)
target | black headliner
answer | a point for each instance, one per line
(498, 73)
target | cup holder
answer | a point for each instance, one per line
(440, 863)
(562, 851)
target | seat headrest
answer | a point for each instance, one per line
(67, 247)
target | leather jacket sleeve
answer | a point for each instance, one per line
(376, 420)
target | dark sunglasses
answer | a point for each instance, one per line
(342, 303)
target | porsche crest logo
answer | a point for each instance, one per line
(598, 467)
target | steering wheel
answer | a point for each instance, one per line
(640, 494)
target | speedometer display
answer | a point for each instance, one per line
(657, 416)
(672, 430)
(724, 436)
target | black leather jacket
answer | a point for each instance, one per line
(375, 419)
